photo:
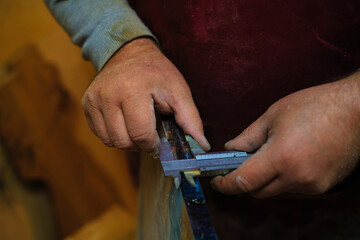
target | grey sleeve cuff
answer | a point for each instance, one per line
(99, 27)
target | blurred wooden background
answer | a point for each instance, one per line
(42, 79)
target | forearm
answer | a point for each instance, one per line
(99, 27)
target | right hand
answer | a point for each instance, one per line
(120, 103)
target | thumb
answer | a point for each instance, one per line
(188, 118)
(254, 174)
(251, 138)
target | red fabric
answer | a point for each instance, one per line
(241, 56)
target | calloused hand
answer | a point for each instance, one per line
(307, 142)
(120, 103)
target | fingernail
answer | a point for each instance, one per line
(207, 144)
(212, 182)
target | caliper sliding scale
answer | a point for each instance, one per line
(203, 164)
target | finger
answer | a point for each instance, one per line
(116, 128)
(253, 174)
(274, 188)
(139, 115)
(251, 138)
(90, 123)
(188, 118)
(97, 125)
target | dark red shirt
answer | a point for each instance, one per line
(238, 58)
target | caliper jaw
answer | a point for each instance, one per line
(166, 155)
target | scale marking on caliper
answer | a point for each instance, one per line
(204, 164)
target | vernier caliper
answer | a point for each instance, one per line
(203, 164)
(181, 156)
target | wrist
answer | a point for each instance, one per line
(132, 49)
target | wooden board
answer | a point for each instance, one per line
(162, 213)
(168, 210)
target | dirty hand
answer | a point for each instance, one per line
(307, 142)
(120, 103)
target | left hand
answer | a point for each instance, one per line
(307, 142)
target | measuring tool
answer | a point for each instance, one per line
(203, 164)
(181, 156)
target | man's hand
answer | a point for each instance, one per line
(307, 142)
(120, 103)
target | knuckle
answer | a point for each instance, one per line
(316, 187)
(309, 182)
(89, 100)
(306, 178)
(140, 135)
(272, 109)
(105, 140)
(319, 188)
(83, 103)
(109, 97)
(107, 143)
(181, 98)
(176, 102)
(105, 94)
(122, 144)
(249, 143)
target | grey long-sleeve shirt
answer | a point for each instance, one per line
(99, 27)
